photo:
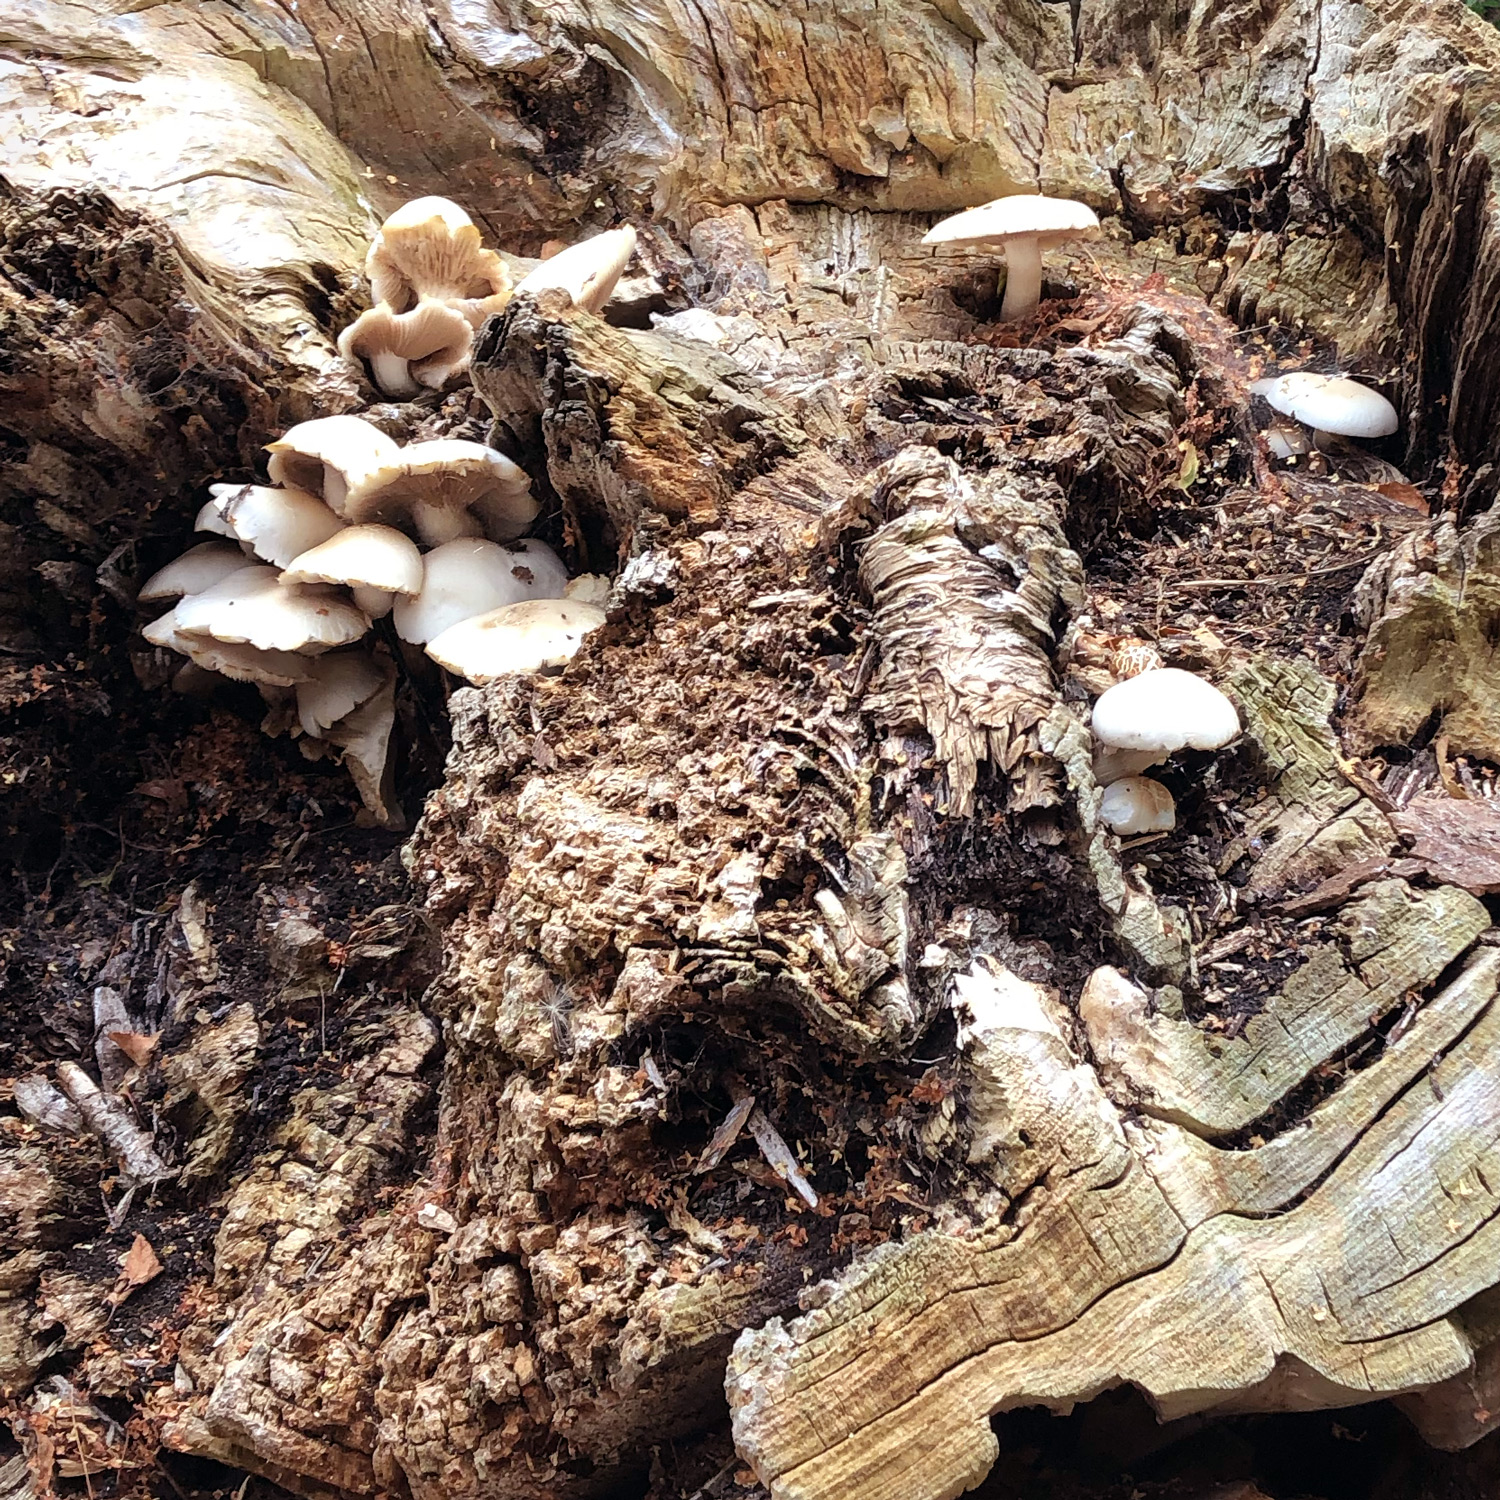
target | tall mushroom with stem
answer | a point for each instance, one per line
(1023, 225)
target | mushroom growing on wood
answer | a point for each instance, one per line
(376, 562)
(330, 456)
(431, 248)
(1136, 804)
(447, 488)
(470, 576)
(240, 662)
(407, 351)
(1023, 225)
(274, 524)
(197, 569)
(516, 638)
(254, 607)
(587, 271)
(1332, 405)
(1143, 720)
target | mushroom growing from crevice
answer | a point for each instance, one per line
(522, 637)
(470, 576)
(1141, 721)
(587, 271)
(271, 524)
(1137, 804)
(448, 488)
(430, 248)
(411, 351)
(330, 456)
(1332, 405)
(1023, 225)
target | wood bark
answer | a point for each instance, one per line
(792, 1014)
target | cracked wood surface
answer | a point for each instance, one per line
(763, 834)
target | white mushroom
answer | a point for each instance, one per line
(587, 271)
(447, 488)
(470, 576)
(1330, 404)
(1156, 714)
(364, 737)
(1136, 805)
(253, 607)
(515, 638)
(431, 248)
(198, 568)
(376, 562)
(1024, 225)
(330, 456)
(407, 351)
(275, 524)
(588, 588)
(240, 662)
(336, 685)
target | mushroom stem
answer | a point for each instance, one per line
(393, 375)
(1023, 277)
(374, 602)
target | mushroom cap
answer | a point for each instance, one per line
(1052, 220)
(588, 588)
(587, 271)
(330, 456)
(275, 524)
(253, 607)
(336, 685)
(470, 576)
(242, 663)
(197, 569)
(1165, 710)
(1330, 403)
(436, 483)
(1134, 805)
(376, 557)
(364, 737)
(431, 248)
(432, 340)
(521, 637)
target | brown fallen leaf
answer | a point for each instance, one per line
(135, 1046)
(139, 1266)
(1404, 494)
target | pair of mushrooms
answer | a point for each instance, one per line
(1333, 406)
(1137, 724)
(434, 284)
(320, 555)
(1023, 225)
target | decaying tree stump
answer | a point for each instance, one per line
(772, 1000)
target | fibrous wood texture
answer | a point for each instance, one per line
(794, 1014)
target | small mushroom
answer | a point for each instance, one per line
(330, 456)
(515, 638)
(1135, 804)
(253, 607)
(447, 488)
(197, 569)
(1332, 405)
(431, 248)
(364, 738)
(376, 562)
(1143, 720)
(407, 351)
(240, 662)
(587, 271)
(275, 524)
(1024, 225)
(470, 576)
(335, 686)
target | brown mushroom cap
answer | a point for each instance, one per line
(406, 351)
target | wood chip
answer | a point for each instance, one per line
(1456, 841)
(779, 1157)
(727, 1133)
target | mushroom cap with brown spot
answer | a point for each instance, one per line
(1051, 220)
(470, 576)
(516, 638)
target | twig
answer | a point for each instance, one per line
(1248, 583)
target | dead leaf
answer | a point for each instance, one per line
(135, 1046)
(139, 1266)
(1404, 494)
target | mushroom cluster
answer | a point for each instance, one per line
(434, 284)
(1137, 724)
(310, 562)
